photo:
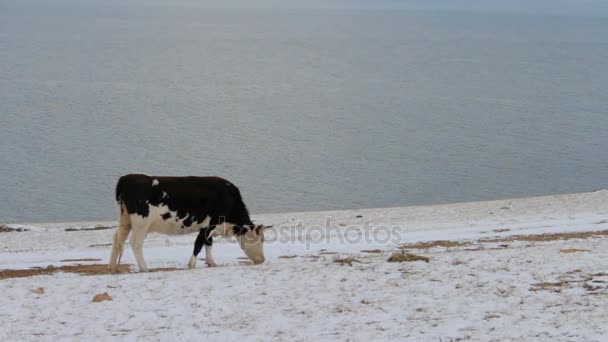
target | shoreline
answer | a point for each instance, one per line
(468, 211)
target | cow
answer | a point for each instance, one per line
(211, 206)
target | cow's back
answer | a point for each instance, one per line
(185, 201)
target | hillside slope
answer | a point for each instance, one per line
(498, 270)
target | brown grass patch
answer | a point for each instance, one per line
(88, 270)
(84, 259)
(529, 238)
(328, 253)
(501, 230)
(39, 290)
(347, 261)
(601, 274)
(549, 236)
(438, 243)
(371, 251)
(87, 229)
(547, 286)
(490, 316)
(561, 283)
(287, 256)
(573, 250)
(101, 244)
(574, 271)
(401, 257)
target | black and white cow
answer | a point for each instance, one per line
(180, 205)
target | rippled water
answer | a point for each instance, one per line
(336, 105)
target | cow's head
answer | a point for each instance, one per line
(252, 243)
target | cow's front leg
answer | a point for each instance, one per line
(137, 244)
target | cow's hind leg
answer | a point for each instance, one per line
(124, 227)
(138, 235)
(204, 238)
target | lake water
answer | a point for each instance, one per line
(303, 105)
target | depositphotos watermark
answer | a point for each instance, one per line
(296, 232)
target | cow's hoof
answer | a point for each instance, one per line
(192, 263)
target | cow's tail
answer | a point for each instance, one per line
(124, 227)
(120, 236)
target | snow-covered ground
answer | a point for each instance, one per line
(493, 288)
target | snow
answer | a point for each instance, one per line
(481, 291)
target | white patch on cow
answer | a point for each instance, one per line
(165, 195)
(171, 226)
(155, 182)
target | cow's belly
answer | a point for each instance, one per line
(162, 220)
(172, 228)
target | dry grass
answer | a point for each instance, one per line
(347, 261)
(371, 251)
(555, 287)
(432, 244)
(84, 259)
(89, 270)
(528, 238)
(573, 250)
(549, 237)
(87, 229)
(401, 257)
(101, 245)
(501, 230)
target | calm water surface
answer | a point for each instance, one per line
(304, 105)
